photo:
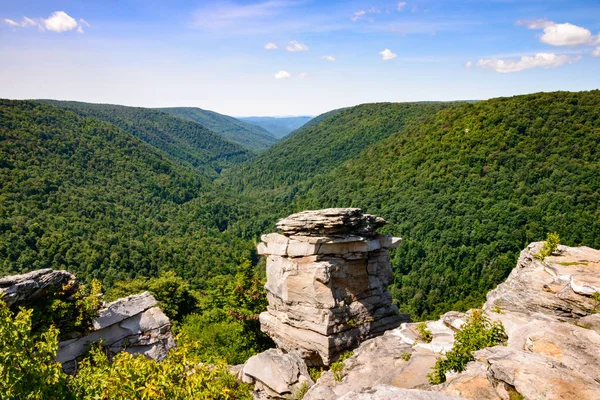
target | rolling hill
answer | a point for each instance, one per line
(187, 142)
(277, 126)
(245, 134)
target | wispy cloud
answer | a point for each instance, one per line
(58, 21)
(328, 58)
(561, 34)
(271, 46)
(468, 64)
(227, 13)
(361, 13)
(387, 55)
(401, 5)
(596, 52)
(302, 75)
(540, 60)
(282, 75)
(295, 46)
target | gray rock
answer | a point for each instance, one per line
(330, 222)
(132, 324)
(27, 288)
(277, 373)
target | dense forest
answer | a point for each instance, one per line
(245, 134)
(83, 195)
(184, 141)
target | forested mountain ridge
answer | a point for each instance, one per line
(471, 186)
(247, 135)
(83, 195)
(279, 127)
(289, 167)
(185, 141)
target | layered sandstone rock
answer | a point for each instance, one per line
(326, 282)
(134, 324)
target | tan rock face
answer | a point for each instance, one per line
(326, 283)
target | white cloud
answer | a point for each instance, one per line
(357, 15)
(271, 46)
(561, 34)
(302, 75)
(540, 60)
(295, 46)
(10, 22)
(387, 55)
(596, 52)
(60, 21)
(328, 58)
(401, 5)
(468, 64)
(282, 75)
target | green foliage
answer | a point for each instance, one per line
(179, 376)
(83, 195)
(315, 373)
(27, 366)
(549, 247)
(175, 296)
(596, 298)
(425, 333)
(226, 326)
(184, 141)
(299, 395)
(338, 367)
(477, 332)
(233, 129)
(466, 203)
(406, 356)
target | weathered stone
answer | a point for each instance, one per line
(590, 322)
(132, 324)
(26, 288)
(326, 283)
(560, 286)
(386, 392)
(277, 373)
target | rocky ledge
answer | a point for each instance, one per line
(134, 324)
(553, 349)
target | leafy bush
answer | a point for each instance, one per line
(179, 376)
(477, 332)
(424, 332)
(27, 366)
(549, 247)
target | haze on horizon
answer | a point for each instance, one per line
(294, 57)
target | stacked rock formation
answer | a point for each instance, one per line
(327, 274)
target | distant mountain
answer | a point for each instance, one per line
(243, 133)
(185, 141)
(277, 126)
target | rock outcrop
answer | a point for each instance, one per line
(133, 324)
(326, 283)
(553, 349)
(25, 289)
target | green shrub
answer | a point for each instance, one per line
(425, 333)
(338, 367)
(315, 373)
(27, 366)
(549, 247)
(406, 356)
(477, 332)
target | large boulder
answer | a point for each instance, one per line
(326, 283)
(276, 374)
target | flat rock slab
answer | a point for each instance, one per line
(26, 288)
(386, 392)
(124, 308)
(330, 221)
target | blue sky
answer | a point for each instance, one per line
(294, 57)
